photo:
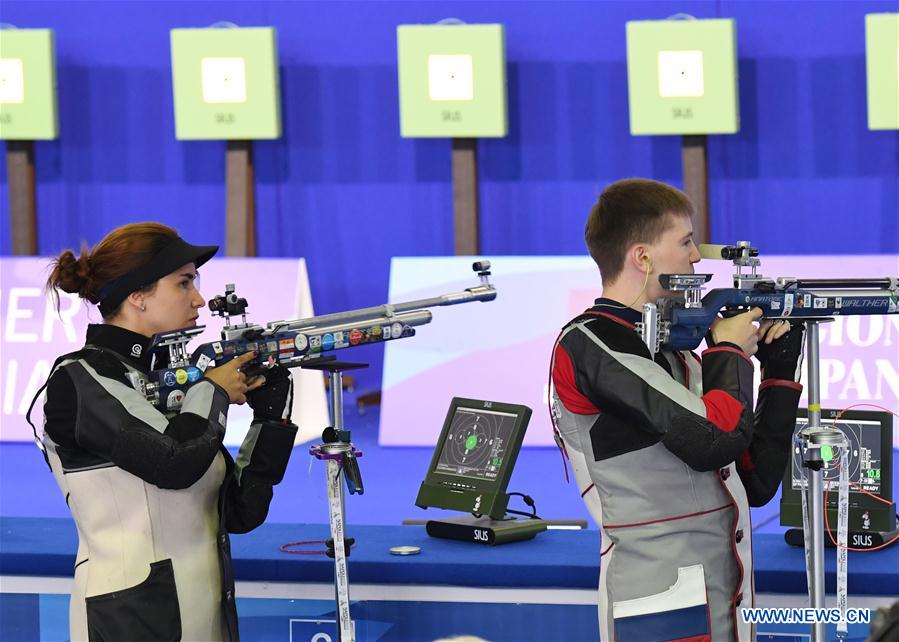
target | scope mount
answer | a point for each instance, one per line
(482, 268)
(228, 305)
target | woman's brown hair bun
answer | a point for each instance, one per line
(72, 274)
(120, 251)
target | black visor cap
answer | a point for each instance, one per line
(173, 255)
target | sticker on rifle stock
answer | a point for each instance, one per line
(285, 345)
(386, 332)
(193, 374)
(788, 304)
(168, 378)
(173, 401)
(301, 342)
(775, 305)
(397, 330)
(217, 347)
(806, 300)
(180, 376)
(355, 336)
(327, 341)
(820, 303)
(202, 362)
(838, 302)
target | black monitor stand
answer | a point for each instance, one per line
(470, 471)
(484, 530)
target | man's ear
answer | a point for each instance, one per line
(638, 257)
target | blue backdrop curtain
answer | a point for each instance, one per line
(341, 188)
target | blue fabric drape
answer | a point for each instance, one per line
(804, 175)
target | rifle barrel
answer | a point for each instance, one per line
(414, 318)
(479, 293)
(887, 283)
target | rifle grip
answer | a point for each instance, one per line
(256, 368)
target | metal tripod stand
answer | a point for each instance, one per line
(340, 456)
(812, 439)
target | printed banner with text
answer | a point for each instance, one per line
(34, 334)
(500, 350)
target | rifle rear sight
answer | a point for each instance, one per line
(483, 270)
(228, 304)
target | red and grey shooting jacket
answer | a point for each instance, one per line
(669, 454)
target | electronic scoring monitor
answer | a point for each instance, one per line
(871, 502)
(474, 457)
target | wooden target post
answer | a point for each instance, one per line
(226, 87)
(452, 81)
(28, 61)
(682, 80)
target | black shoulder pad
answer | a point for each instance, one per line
(106, 364)
(617, 336)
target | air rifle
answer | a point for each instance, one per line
(681, 323)
(287, 343)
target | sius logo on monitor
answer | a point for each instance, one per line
(861, 540)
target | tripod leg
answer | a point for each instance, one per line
(345, 624)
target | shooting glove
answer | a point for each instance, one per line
(782, 358)
(273, 400)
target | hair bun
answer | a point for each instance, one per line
(73, 274)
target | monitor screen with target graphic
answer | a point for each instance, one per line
(474, 457)
(870, 473)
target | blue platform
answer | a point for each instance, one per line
(554, 559)
(534, 591)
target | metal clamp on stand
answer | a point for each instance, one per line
(812, 440)
(341, 457)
